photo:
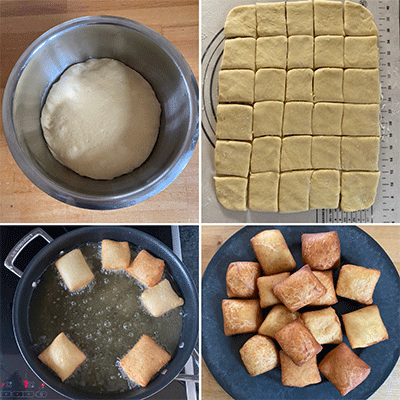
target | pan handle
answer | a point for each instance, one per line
(10, 259)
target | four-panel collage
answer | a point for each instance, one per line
(199, 199)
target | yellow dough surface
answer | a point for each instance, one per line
(309, 71)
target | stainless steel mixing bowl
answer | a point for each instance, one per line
(142, 49)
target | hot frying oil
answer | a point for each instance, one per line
(105, 320)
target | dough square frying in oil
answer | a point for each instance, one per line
(115, 255)
(146, 268)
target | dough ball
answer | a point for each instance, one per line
(101, 119)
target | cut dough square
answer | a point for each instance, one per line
(277, 318)
(236, 86)
(357, 283)
(265, 284)
(270, 84)
(299, 289)
(144, 360)
(325, 152)
(263, 191)
(327, 119)
(325, 189)
(161, 298)
(74, 270)
(297, 118)
(358, 190)
(241, 21)
(266, 153)
(272, 252)
(234, 122)
(232, 158)
(299, 85)
(329, 298)
(328, 17)
(231, 192)
(358, 20)
(271, 52)
(271, 19)
(293, 375)
(324, 325)
(361, 120)
(259, 354)
(239, 53)
(241, 279)
(361, 52)
(115, 255)
(328, 84)
(268, 116)
(329, 51)
(298, 342)
(364, 327)
(299, 16)
(361, 86)
(344, 369)
(62, 356)
(296, 153)
(360, 153)
(241, 316)
(300, 51)
(294, 190)
(321, 250)
(146, 268)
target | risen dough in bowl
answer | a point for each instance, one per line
(101, 119)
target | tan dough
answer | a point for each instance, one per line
(361, 86)
(328, 51)
(300, 51)
(239, 53)
(266, 154)
(270, 84)
(328, 84)
(294, 190)
(268, 116)
(325, 152)
(299, 85)
(324, 189)
(271, 52)
(271, 20)
(360, 153)
(297, 118)
(299, 18)
(231, 192)
(296, 153)
(361, 120)
(236, 86)
(327, 119)
(328, 17)
(232, 158)
(358, 20)
(241, 21)
(101, 119)
(234, 122)
(361, 52)
(263, 191)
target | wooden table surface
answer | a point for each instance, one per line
(22, 21)
(212, 239)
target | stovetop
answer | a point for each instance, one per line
(17, 381)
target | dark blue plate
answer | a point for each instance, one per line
(221, 353)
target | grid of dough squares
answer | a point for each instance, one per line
(298, 113)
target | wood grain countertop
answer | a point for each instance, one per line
(23, 21)
(387, 236)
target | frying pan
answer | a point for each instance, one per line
(45, 257)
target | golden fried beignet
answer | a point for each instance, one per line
(321, 251)
(259, 354)
(277, 318)
(324, 325)
(299, 376)
(329, 298)
(357, 283)
(344, 369)
(265, 285)
(146, 268)
(298, 342)
(74, 270)
(241, 279)
(272, 252)
(299, 289)
(161, 298)
(144, 360)
(115, 255)
(364, 327)
(62, 356)
(241, 316)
